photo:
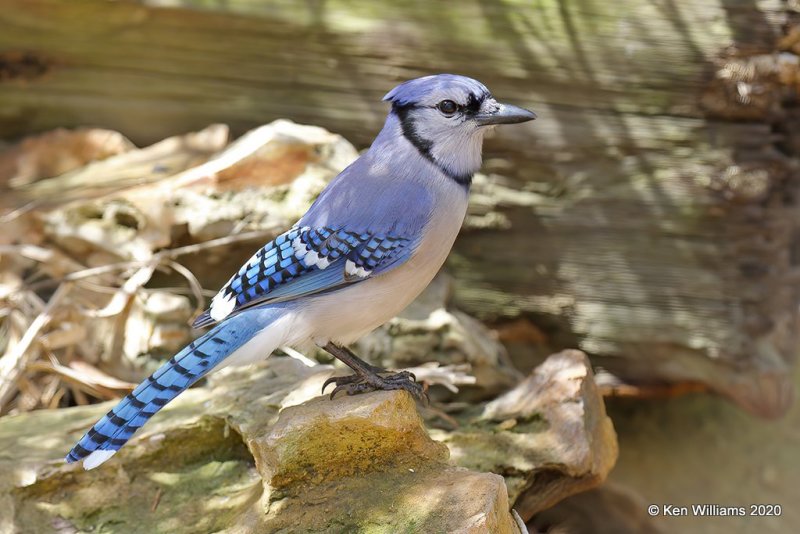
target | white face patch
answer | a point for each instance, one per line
(454, 143)
(459, 149)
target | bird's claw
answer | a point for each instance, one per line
(339, 381)
(356, 383)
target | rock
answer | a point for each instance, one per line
(367, 460)
(549, 436)
(321, 440)
(609, 509)
(258, 450)
(231, 456)
(451, 500)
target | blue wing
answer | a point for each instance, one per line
(306, 261)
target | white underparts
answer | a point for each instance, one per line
(96, 458)
(280, 332)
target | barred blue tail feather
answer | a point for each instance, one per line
(111, 432)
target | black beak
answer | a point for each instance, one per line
(505, 114)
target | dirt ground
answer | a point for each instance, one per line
(703, 450)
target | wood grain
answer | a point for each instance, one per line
(648, 217)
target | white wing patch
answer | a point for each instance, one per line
(351, 270)
(310, 257)
(221, 305)
(299, 247)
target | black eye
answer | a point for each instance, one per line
(447, 107)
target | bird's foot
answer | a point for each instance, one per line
(373, 381)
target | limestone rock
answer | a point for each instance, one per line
(229, 457)
(609, 509)
(451, 500)
(550, 436)
(258, 450)
(322, 440)
(367, 460)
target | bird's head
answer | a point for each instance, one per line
(445, 117)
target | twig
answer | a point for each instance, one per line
(80, 396)
(43, 255)
(56, 400)
(173, 253)
(16, 359)
(124, 294)
(103, 269)
(51, 387)
(179, 290)
(156, 499)
(77, 379)
(194, 284)
(431, 412)
(308, 362)
(449, 376)
(11, 215)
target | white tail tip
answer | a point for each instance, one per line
(96, 458)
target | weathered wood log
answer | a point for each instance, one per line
(649, 215)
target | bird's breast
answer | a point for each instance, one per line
(344, 316)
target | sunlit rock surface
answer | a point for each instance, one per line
(258, 450)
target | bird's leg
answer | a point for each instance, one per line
(367, 377)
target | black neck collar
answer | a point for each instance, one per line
(424, 146)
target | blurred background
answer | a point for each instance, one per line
(649, 217)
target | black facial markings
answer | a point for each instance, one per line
(410, 131)
(474, 102)
(424, 145)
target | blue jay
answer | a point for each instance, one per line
(370, 243)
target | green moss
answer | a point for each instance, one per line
(350, 448)
(199, 478)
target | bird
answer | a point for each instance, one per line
(368, 245)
